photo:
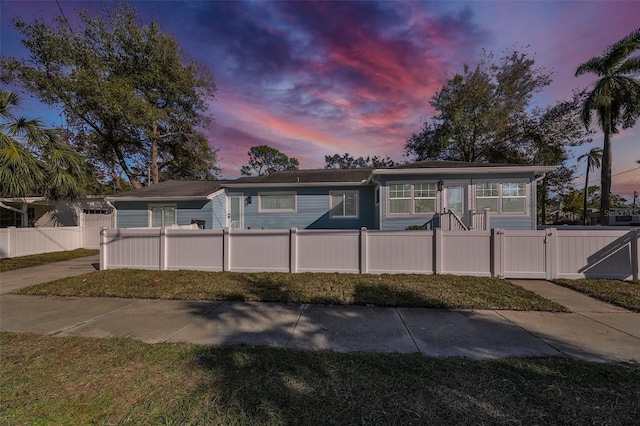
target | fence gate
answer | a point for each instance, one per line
(522, 254)
(92, 224)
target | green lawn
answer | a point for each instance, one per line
(74, 380)
(621, 293)
(429, 291)
(41, 259)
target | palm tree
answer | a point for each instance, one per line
(34, 160)
(593, 158)
(615, 98)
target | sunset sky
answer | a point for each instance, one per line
(318, 78)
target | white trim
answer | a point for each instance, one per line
(228, 221)
(528, 202)
(163, 198)
(150, 215)
(295, 202)
(343, 193)
(293, 184)
(465, 170)
(412, 199)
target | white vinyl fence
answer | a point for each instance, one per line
(15, 242)
(544, 254)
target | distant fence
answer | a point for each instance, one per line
(15, 242)
(544, 254)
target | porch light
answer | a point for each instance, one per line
(440, 185)
(249, 199)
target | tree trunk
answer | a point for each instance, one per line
(605, 191)
(123, 165)
(543, 202)
(586, 190)
(154, 154)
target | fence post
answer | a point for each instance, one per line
(487, 218)
(293, 250)
(162, 265)
(103, 249)
(635, 255)
(471, 222)
(80, 215)
(437, 250)
(226, 256)
(551, 247)
(364, 268)
(497, 252)
(11, 242)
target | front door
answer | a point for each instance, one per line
(455, 200)
(235, 212)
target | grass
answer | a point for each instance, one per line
(77, 380)
(426, 291)
(41, 259)
(621, 293)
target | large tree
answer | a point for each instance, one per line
(481, 112)
(134, 104)
(593, 159)
(347, 161)
(546, 134)
(615, 99)
(34, 160)
(264, 160)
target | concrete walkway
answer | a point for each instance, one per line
(25, 277)
(598, 334)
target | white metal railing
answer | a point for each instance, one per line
(449, 221)
(479, 221)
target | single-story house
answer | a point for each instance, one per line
(40, 212)
(415, 194)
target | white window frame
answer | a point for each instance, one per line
(295, 202)
(412, 198)
(343, 193)
(501, 182)
(150, 212)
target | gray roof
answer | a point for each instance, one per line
(175, 188)
(309, 176)
(437, 164)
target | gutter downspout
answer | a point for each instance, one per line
(534, 192)
(114, 222)
(377, 189)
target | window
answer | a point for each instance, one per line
(513, 197)
(344, 204)
(400, 198)
(277, 203)
(11, 218)
(487, 196)
(419, 198)
(162, 215)
(507, 197)
(425, 197)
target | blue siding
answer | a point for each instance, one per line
(132, 214)
(219, 211)
(135, 214)
(524, 221)
(312, 210)
(197, 209)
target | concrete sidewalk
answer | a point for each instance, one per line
(19, 278)
(609, 334)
